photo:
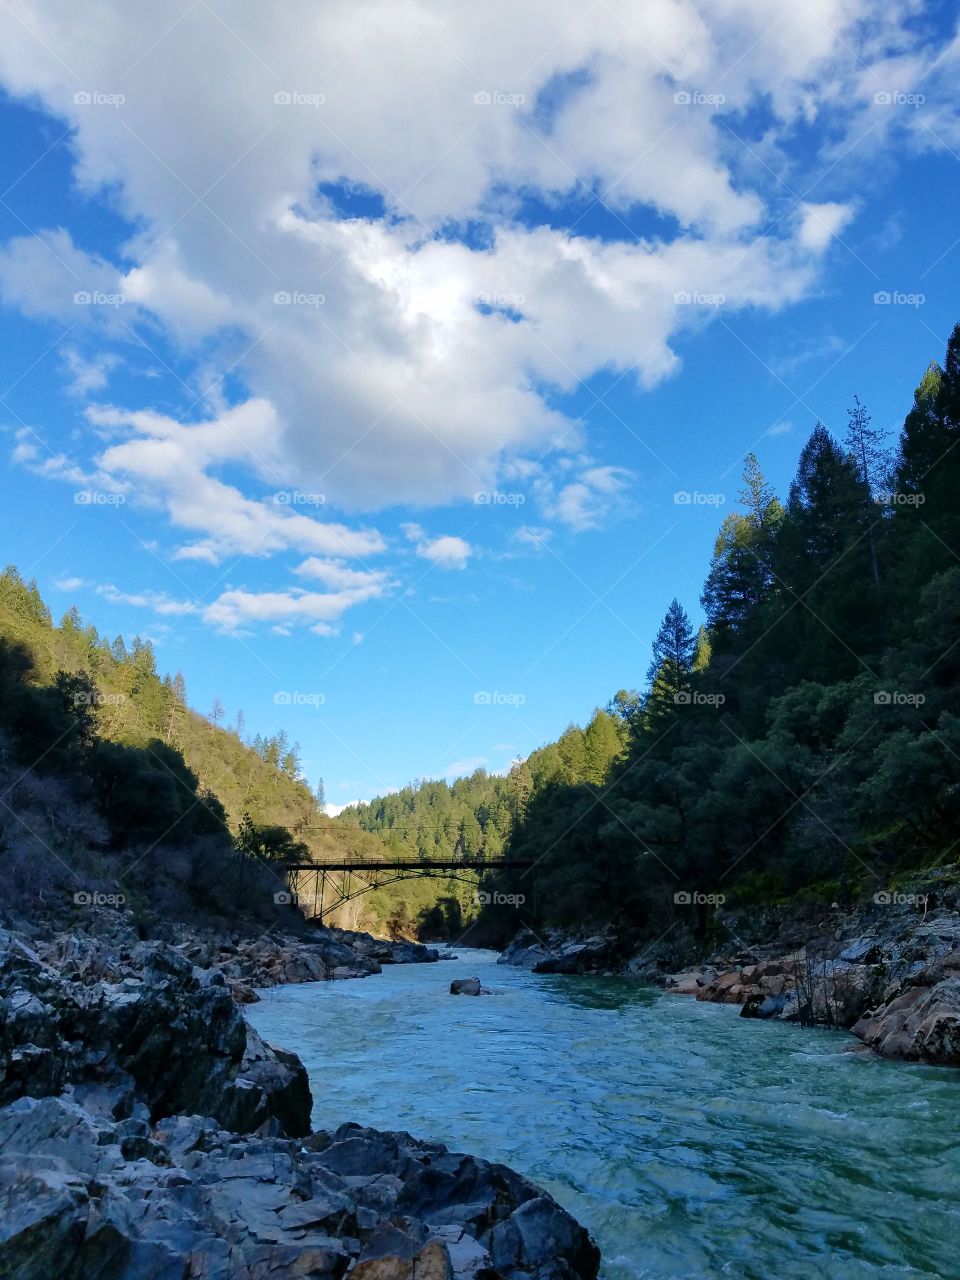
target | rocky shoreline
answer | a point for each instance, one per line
(887, 970)
(147, 1132)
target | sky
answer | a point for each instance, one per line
(391, 365)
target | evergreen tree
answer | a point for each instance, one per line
(669, 671)
(871, 457)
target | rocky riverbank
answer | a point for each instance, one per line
(887, 970)
(147, 1132)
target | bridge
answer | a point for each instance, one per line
(328, 885)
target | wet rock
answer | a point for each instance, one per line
(758, 1005)
(921, 1024)
(468, 987)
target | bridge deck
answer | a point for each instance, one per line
(412, 864)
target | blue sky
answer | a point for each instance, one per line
(357, 357)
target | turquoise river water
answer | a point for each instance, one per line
(692, 1143)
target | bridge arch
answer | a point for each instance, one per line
(327, 886)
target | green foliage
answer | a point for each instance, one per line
(816, 746)
(272, 843)
(473, 817)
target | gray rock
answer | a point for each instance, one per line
(467, 987)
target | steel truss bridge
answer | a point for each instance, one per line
(319, 888)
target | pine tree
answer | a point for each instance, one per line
(672, 661)
(741, 576)
(872, 460)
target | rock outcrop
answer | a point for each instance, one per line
(143, 1026)
(557, 952)
(84, 1195)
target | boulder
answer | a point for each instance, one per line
(920, 1024)
(467, 987)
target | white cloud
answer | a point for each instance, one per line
(46, 275)
(339, 576)
(70, 584)
(85, 375)
(532, 536)
(167, 463)
(381, 378)
(447, 551)
(821, 223)
(595, 498)
(320, 611)
(156, 601)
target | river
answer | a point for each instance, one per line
(693, 1144)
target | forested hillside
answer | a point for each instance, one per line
(473, 817)
(106, 768)
(135, 705)
(810, 743)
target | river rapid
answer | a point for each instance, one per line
(692, 1143)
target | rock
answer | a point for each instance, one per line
(392, 1254)
(529, 1240)
(525, 951)
(214, 1205)
(467, 987)
(758, 1005)
(921, 1024)
(160, 1029)
(862, 951)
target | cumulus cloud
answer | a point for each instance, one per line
(321, 611)
(447, 551)
(388, 358)
(168, 463)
